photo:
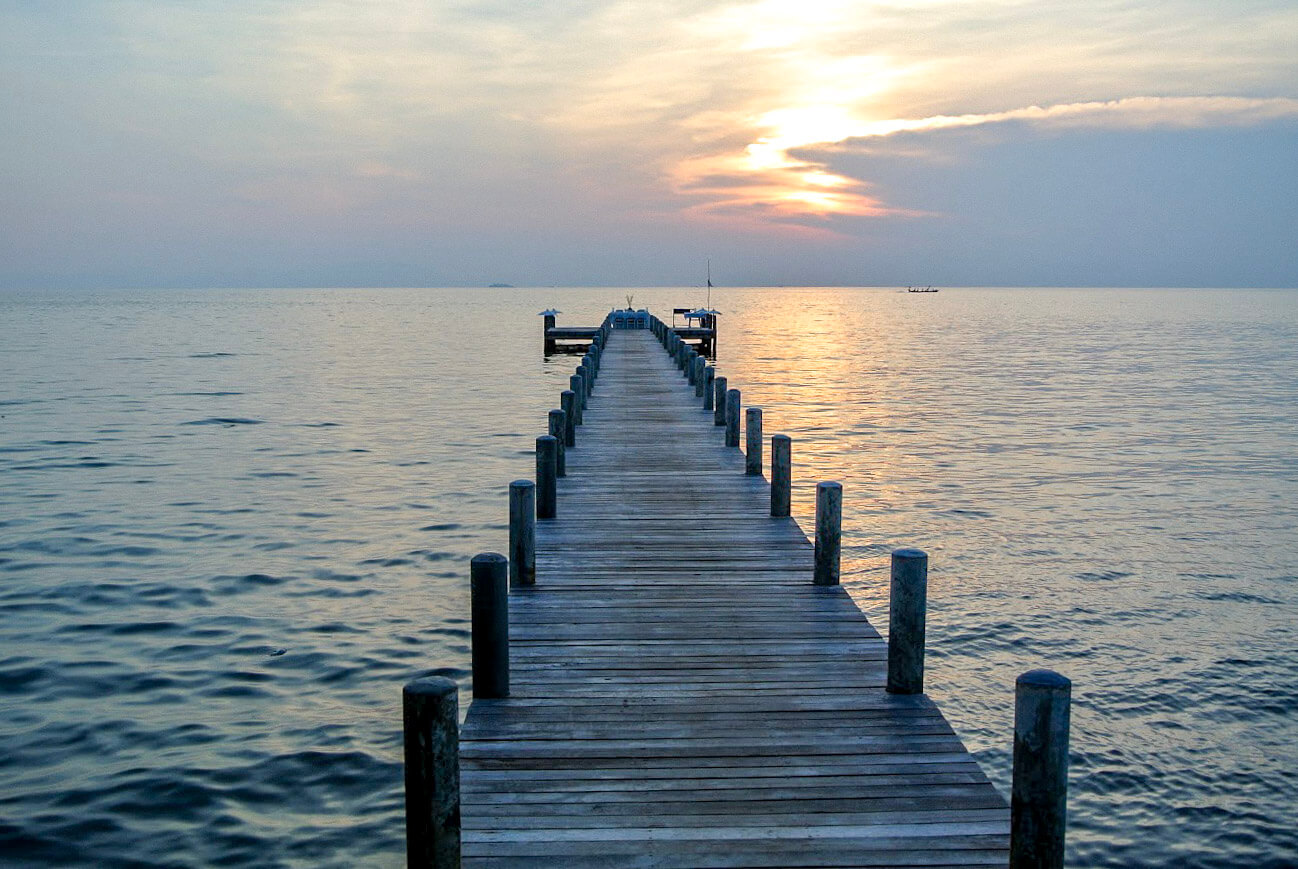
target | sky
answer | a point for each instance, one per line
(250, 143)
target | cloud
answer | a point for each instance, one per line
(387, 119)
(1119, 113)
(777, 172)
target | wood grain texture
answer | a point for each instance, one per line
(682, 695)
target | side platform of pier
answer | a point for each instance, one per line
(681, 694)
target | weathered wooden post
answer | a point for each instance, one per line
(547, 473)
(829, 532)
(906, 616)
(489, 603)
(522, 533)
(719, 401)
(583, 382)
(575, 387)
(558, 429)
(547, 341)
(568, 402)
(781, 475)
(709, 378)
(753, 439)
(732, 417)
(430, 711)
(1039, 804)
(700, 376)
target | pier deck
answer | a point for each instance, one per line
(682, 695)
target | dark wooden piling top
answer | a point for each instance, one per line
(682, 695)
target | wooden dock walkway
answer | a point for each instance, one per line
(682, 695)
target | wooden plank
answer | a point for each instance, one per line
(682, 695)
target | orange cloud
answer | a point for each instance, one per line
(766, 180)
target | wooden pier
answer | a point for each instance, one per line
(680, 694)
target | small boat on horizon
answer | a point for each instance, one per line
(921, 289)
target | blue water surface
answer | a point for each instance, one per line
(234, 523)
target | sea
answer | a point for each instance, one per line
(233, 523)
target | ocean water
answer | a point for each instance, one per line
(234, 523)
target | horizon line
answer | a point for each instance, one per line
(595, 286)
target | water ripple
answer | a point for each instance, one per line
(206, 669)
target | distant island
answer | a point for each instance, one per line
(500, 285)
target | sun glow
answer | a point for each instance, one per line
(816, 178)
(767, 178)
